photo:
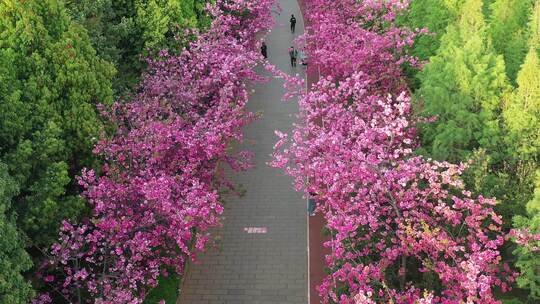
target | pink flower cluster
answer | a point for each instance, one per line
(403, 228)
(158, 191)
(526, 239)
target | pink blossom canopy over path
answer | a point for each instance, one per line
(262, 252)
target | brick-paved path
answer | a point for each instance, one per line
(260, 268)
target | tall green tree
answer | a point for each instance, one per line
(124, 30)
(534, 28)
(462, 86)
(528, 258)
(161, 19)
(115, 35)
(522, 111)
(435, 15)
(508, 31)
(465, 86)
(51, 82)
(522, 118)
(14, 260)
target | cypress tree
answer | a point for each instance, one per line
(462, 86)
(161, 19)
(510, 177)
(508, 32)
(435, 15)
(522, 111)
(534, 28)
(522, 118)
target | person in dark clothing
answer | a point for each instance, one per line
(264, 50)
(293, 53)
(293, 23)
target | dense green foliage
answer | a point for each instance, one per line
(114, 36)
(522, 111)
(508, 31)
(522, 116)
(13, 258)
(52, 81)
(123, 31)
(529, 260)
(161, 19)
(435, 15)
(479, 115)
(462, 85)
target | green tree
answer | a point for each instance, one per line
(51, 82)
(465, 86)
(14, 260)
(521, 117)
(510, 180)
(435, 15)
(534, 28)
(107, 23)
(115, 35)
(124, 30)
(508, 32)
(522, 111)
(462, 85)
(161, 19)
(528, 258)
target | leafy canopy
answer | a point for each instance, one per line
(508, 32)
(462, 87)
(14, 289)
(52, 81)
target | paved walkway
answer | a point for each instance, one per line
(269, 265)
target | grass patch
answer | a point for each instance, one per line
(516, 296)
(167, 290)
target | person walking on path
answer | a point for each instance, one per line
(312, 204)
(264, 50)
(293, 53)
(293, 23)
(303, 57)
